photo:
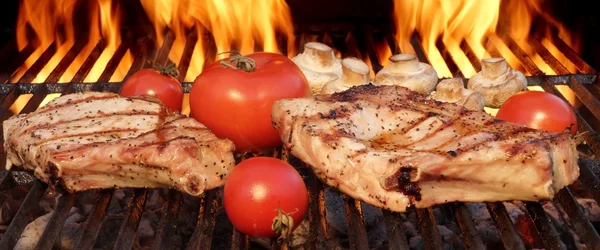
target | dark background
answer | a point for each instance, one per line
(578, 16)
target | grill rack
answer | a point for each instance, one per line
(583, 83)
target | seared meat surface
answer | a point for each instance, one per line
(393, 148)
(99, 140)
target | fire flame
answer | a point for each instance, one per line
(445, 29)
(472, 22)
(241, 25)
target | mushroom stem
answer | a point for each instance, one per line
(404, 62)
(493, 67)
(320, 53)
(354, 71)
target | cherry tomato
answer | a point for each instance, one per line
(539, 110)
(257, 189)
(153, 82)
(234, 99)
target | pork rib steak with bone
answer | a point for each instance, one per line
(394, 148)
(98, 140)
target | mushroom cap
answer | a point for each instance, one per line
(319, 65)
(405, 70)
(497, 81)
(354, 72)
(453, 90)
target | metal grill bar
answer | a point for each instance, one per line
(473, 59)
(89, 62)
(65, 62)
(202, 236)
(466, 225)
(184, 62)
(22, 56)
(39, 64)
(133, 215)
(56, 222)
(94, 221)
(23, 217)
(542, 225)
(452, 66)
(112, 65)
(578, 220)
(395, 231)
(581, 65)
(428, 229)
(505, 226)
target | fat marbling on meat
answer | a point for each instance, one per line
(394, 148)
(96, 140)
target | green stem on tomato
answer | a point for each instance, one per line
(283, 224)
(168, 70)
(240, 62)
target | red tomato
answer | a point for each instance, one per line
(256, 188)
(153, 82)
(539, 110)
(236, 104)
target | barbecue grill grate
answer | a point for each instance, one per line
(359, 42)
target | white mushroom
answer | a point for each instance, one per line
(453, 90)
(497, 81)
(354, 72)
(405, 70)
(319, 65)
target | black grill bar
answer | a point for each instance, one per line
(543, 225)
(581, 65)
(94, 221)
(56, 222)
(184, 62)
(166, 226)
(317, 213)
(65, 62)
(357, 233)
(473, 59)
(415, 41)
(24, 216)
(577, 219)
(89, 62)
(202, 236)
(466, 225)
(395, 231)
(428, 229)
(133, 215)
(18, 62)
(448, 59)
(113, 63)
(508, 233)
(162, 56)
(6, 183)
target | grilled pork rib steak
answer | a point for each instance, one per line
(393, 148)
(97, 140)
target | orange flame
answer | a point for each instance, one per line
(52, 22)
(472, 21)
(443, 27)
(235, 25)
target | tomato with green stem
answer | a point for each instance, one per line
(265, 197)
(234, 96)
